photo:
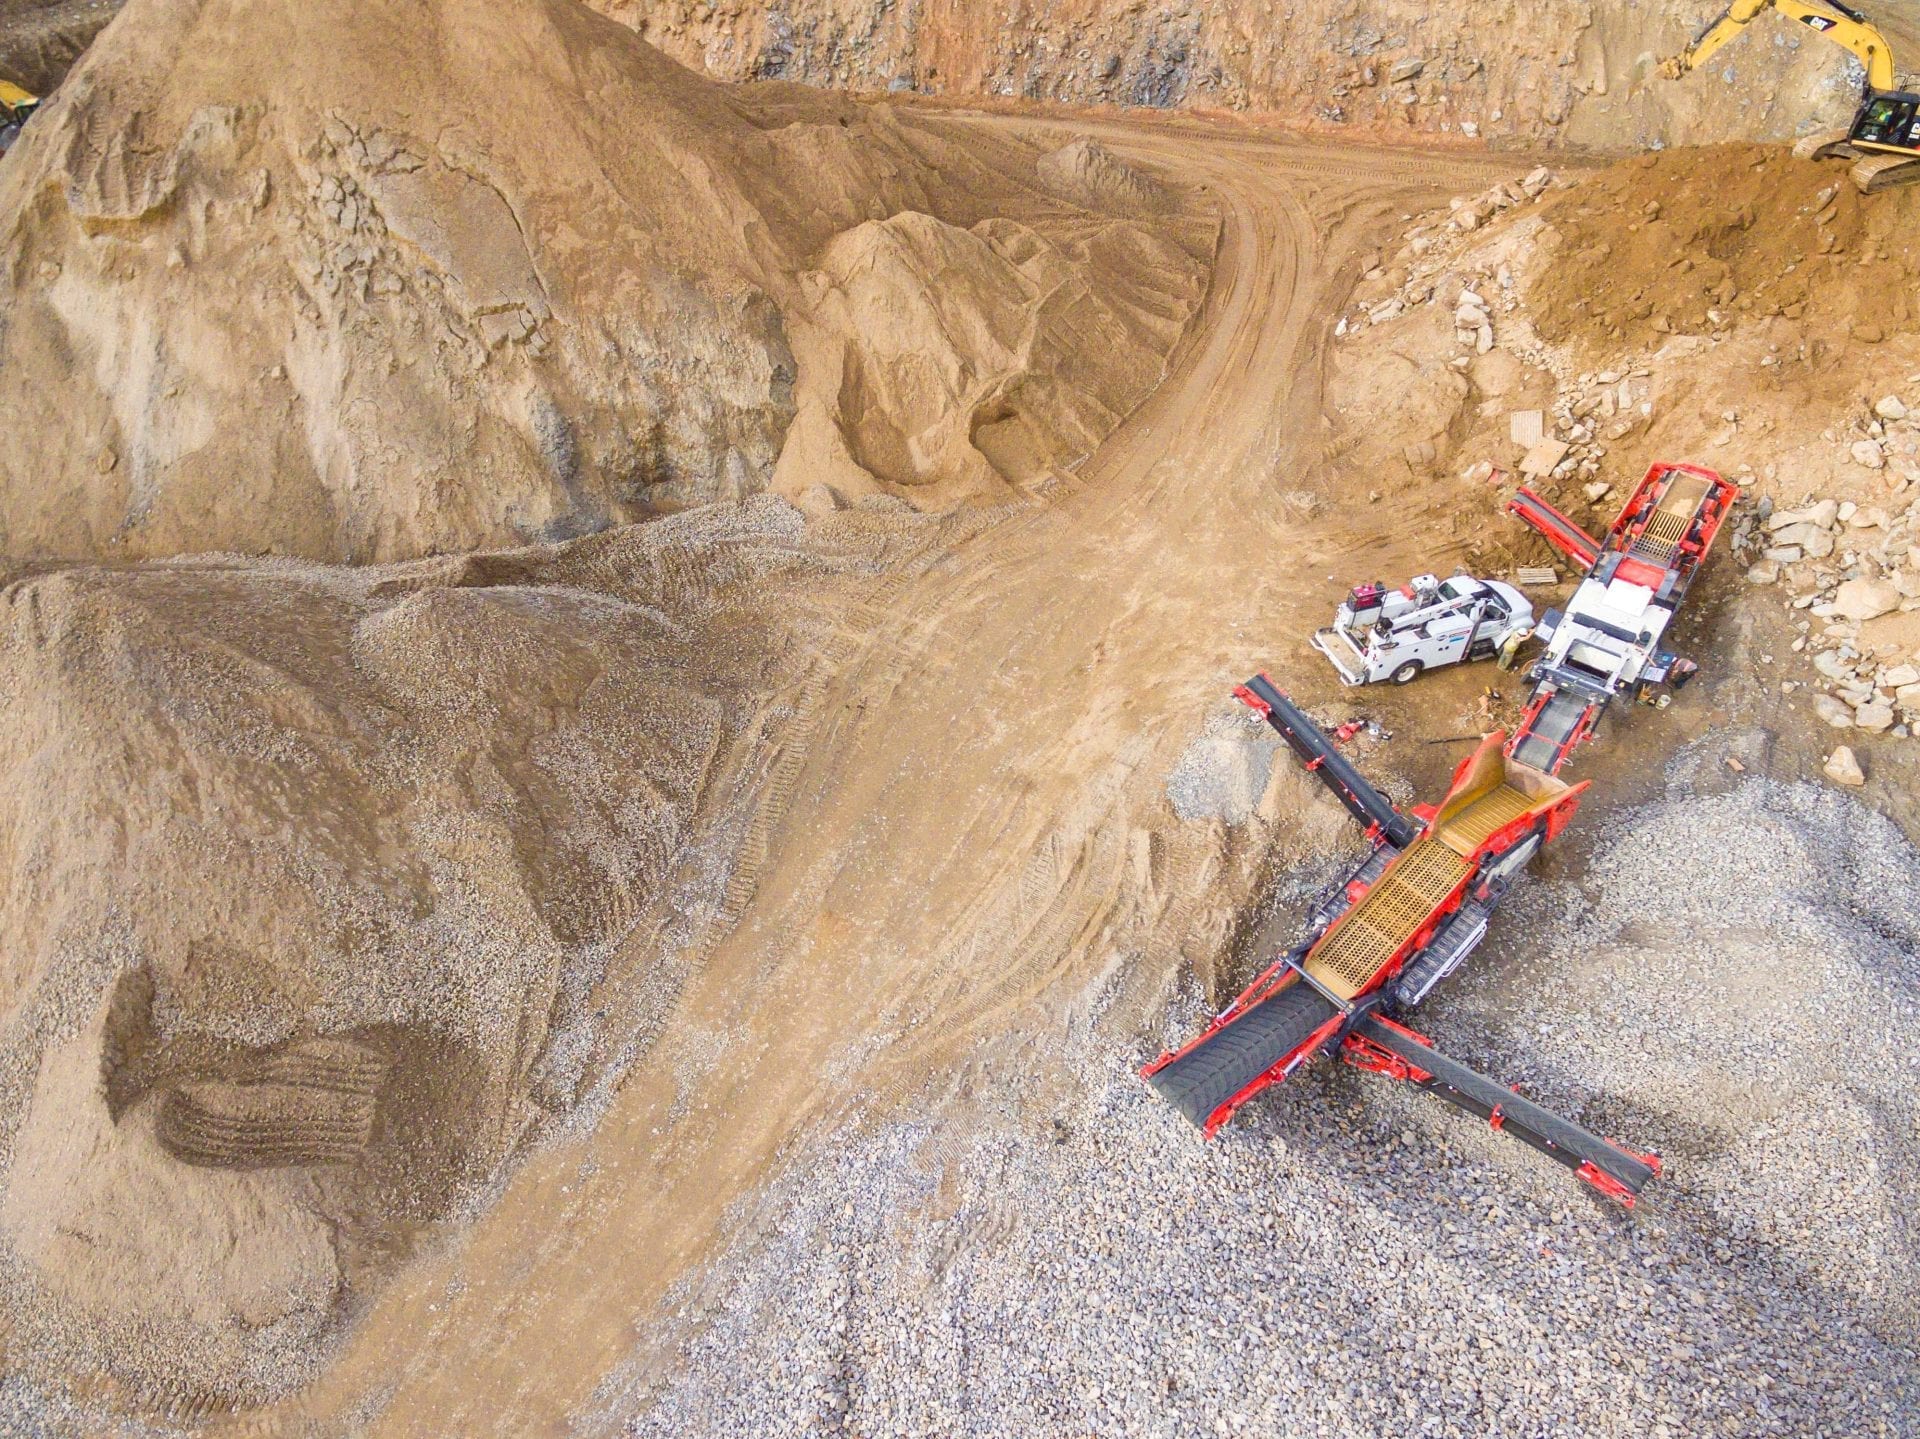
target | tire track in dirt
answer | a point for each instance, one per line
(951, 835)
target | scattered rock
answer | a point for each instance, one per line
(1843, 768)
(1821, 516)
(1541, 459)
(1891, 407)
(1866, 599)
(1817, 543)
(1837, 713)
(1766, 572)
(1868, 453)
(1873, 716)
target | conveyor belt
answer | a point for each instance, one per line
(1333, 769)
(1542, 744)
(1203, 1078)
(1541, 1129)
(1388, 915)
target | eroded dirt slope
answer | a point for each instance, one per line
(315, 280)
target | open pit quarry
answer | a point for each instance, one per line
(617, 644)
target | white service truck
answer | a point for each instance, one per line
(1385, 634)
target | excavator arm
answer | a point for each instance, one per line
(1844, 26)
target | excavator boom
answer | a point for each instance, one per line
(1841, 24)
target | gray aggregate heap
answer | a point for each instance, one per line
(1729, 978)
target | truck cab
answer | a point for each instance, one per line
(1399, 634)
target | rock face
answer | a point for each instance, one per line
(366, 282)
(1580, 70)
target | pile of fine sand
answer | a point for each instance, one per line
(364, 282)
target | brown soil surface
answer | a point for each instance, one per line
(1695, 240)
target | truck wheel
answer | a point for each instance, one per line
(1407, 672)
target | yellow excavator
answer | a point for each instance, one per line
(16, 106)
(1882, 142)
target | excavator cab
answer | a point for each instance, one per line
(1886, 122)
(1882, 143)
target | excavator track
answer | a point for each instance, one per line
(1876, 172)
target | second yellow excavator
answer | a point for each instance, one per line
(1882, 141)
(16, 107)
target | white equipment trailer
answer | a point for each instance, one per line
(1382, 634)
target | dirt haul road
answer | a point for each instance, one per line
(975, 818)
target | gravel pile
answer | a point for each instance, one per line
(1735, 973)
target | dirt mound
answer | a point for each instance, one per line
(1698, 241)
(364, 282)
(1087, 171)
(949, 363)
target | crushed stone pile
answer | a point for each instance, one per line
(324, 889)
(1352, 1259)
